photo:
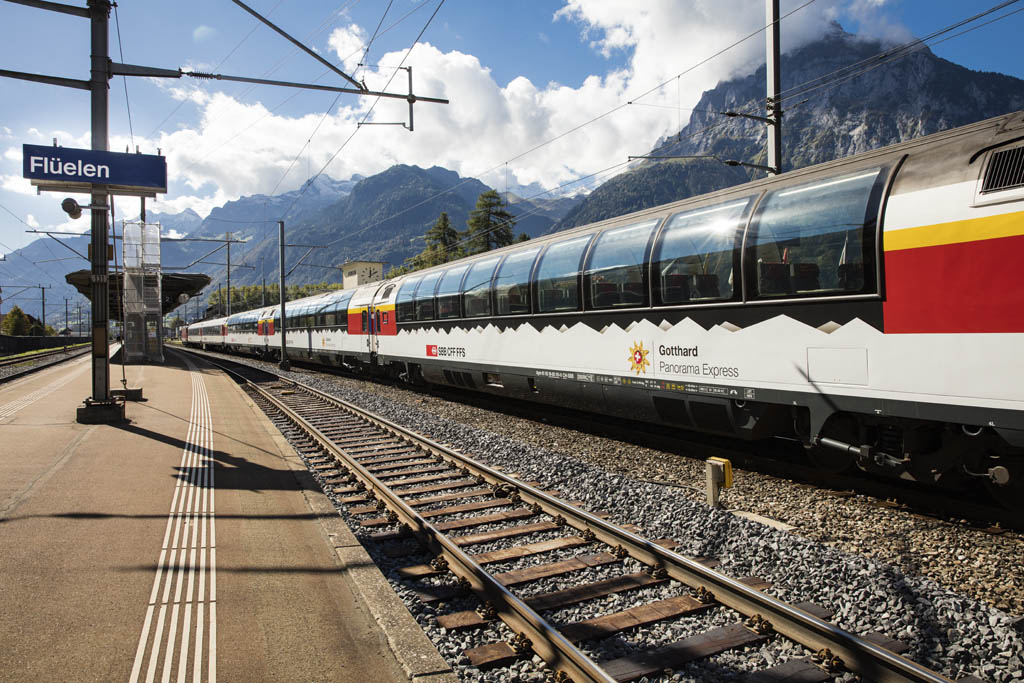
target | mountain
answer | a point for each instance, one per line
(886, 103)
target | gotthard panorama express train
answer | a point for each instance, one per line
(872, 308)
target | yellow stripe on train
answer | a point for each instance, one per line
(956, 232)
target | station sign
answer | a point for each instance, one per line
(68, 169)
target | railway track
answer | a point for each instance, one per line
(7, 362)
(408, 486)
(60, 354)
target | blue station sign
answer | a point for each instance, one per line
(68, 168)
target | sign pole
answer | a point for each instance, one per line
(99, 407)
(100, 14)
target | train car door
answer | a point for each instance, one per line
(383, 314)
(360, 318)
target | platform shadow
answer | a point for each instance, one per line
(231, 471)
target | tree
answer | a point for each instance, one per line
(443, 237)
(489, 225)
(16, 323)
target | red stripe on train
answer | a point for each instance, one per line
(956, 288)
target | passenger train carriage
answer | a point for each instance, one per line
(871, 307)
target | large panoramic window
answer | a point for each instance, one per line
(615, 276)
(448, 293)
(405, 303)
(558, 276)
(818, 238)
(425, 296)
(476, 290)
(512, 284)
(695, 256)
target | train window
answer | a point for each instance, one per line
(448, 293)
(476, 290)
(696, 253)
(558, 275)
(615, 276)
(425, 296)
(512, 284)
(405, 304)
(817, 239)
(339, 306)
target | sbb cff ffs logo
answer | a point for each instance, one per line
(438, 351)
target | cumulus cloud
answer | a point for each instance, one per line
(31, 221)
(873, 22)
(15, 183)
(12, 154)
(240, 148)
(203, 33)
(348, 43)
(202, 205)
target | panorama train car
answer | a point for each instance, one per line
(871, 307)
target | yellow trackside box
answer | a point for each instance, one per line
(727, 468)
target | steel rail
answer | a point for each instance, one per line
(559, 653)
(857, 654)
(4, 362)
(41, 366)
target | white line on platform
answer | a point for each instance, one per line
(188, 552)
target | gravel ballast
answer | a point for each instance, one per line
(946, 590)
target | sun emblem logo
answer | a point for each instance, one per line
(638, 358)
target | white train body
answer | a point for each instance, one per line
(873, 304)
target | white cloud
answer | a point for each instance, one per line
(174, 234)
(203, 33)
(348, 43)
(15, 183)
(873, 22)
(201, 205)
(8, 133)
(31, 221)
(12, 154)
(78, 225)
(241, 148)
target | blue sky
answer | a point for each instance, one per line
(518, 74)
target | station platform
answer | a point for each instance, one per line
(190, 544)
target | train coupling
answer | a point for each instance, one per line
(866, 456)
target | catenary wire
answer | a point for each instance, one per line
(124, 79)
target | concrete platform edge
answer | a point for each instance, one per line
(412, 648)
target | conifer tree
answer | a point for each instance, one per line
(489, 225)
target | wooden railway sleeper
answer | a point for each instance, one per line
(863, 657)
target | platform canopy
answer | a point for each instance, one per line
(173, 286)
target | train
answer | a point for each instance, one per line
(871, 308)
